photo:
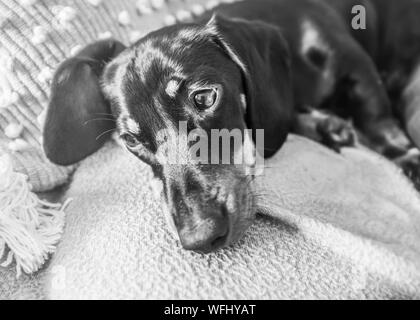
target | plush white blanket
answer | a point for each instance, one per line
(342, 226)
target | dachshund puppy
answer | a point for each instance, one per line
(257, 64)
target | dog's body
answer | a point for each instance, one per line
(333, 65)
(392, 40)
(258, 64)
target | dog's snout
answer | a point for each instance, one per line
(206, 204)
(207, 234)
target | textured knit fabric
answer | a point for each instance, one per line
(35, 36)
(26, 287)
(343, 226)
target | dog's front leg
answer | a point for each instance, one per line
(328, 129)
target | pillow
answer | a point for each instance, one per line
(36, 35)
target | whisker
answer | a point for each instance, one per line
(98, 119)
(260, 195)
(267, 202)
(104, 133)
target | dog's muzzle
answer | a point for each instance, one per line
(209, 207)
(208, 232)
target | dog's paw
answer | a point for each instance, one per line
(336, 132)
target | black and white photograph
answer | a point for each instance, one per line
(209, 154)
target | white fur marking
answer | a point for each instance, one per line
(132, 125)
(148, 54)
(243, 101)
(172, 88)
(311, 38)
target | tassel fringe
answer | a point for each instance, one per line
(29, 227)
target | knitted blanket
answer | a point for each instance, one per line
(332, 226)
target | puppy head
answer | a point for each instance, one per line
(184, 83)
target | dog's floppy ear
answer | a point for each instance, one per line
(262, 54)
(73, 129)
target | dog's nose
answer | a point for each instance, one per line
(207, 235)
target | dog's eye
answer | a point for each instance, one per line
(205, 99)
(130, 140)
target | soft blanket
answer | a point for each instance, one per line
(343, 226)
